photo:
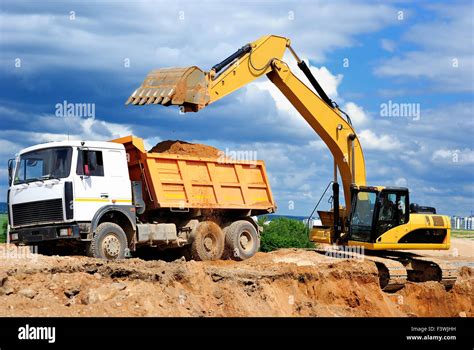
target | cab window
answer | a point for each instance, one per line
(90, 163)
(392, 211)
(362, 215)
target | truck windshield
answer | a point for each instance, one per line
(43, 164)
(362, 215)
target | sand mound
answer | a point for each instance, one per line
(186, 149)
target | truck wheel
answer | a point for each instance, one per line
(208, 243)
(241, 240)
(109, 242)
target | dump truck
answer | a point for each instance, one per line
(112, 198)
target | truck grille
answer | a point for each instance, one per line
(29, 213)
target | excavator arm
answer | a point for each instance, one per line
(193, 89)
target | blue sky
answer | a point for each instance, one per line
(400, 52)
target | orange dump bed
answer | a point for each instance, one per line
(181, 181)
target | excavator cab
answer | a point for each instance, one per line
(376, 210)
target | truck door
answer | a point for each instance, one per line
(103, 180)
(91, 188)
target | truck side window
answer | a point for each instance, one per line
(90, 163)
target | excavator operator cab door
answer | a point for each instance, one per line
(392, 210)
(374, 212)
(361, 220)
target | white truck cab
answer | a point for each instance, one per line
(61, 190)
(80, 194)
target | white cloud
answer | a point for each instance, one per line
(455, 156)
(6, 148)
(401, 182)
(357, 114)
(72, 128)
(158, 33)
(443, 50)
(383, 142)
(388, 45)
(300, 178)
(317, 145)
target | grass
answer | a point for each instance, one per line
(468, 234)
(3, 228)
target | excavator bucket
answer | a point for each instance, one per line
(186, 87)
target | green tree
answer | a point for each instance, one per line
(261, 220)
(284, 233)
(3, 230)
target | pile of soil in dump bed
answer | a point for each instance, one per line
(186, 149)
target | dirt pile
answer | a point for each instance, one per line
(431, 299)
(186, 149)
(284, 283)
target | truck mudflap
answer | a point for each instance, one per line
(34, 235)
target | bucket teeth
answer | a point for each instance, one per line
(132, 97)
(160, 96)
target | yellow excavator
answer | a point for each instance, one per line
(379, 219)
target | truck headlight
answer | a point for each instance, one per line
(14, 236)
(63, 232)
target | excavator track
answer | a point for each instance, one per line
(392, 273)
(396, 268)
(422, 269)
(449, 272)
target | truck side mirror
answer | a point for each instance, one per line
(11, 163)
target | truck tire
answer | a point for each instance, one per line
(242, 240)
(109, 242)
(208, 242)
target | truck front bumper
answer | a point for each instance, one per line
(38, 234)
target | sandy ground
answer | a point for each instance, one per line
(461, 250)
(288, 282)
